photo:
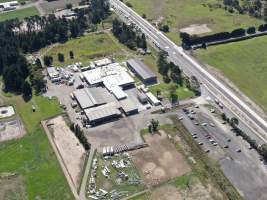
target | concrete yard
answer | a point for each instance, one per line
(160, 161)
(69, 147)
(11, 129)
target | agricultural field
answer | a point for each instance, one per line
(20, 14)
(244, 63)
(36, 173)
(88, 48)
(183, 13)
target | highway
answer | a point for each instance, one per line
(191, 67)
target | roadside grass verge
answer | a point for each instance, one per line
(244, 63)
(32, 156)
(20, 14)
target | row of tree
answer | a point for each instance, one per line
(233, 122)
(75, 128)
(18, 38)
(128, 36)
(169, 70)
(189, 40)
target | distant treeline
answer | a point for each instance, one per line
(189, 40)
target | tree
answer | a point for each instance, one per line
(165, 28)
(263, 150)
(37, 80)
(144, 16)
(60, 57)
(26, 89)
(224, 118)
(162, 63)
(48, 60)
(251, 30)
(71, 55)
(69, 6)
(173, 94)
(143, 42)
(154, 125)
(234, 122)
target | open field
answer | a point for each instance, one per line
(244, 63)
(159, 162)
(31, 157)
(182, 13)
(89, 47)
(20, 14)
(69, 147)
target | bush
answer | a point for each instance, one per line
(61, 57)
(251, 30)
(238, 32)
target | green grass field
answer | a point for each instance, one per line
(182, 13)
(32, 157)
(244, 63)
(88, 48)
(20, 14)
(182, 92)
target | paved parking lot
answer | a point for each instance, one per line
(244, 169)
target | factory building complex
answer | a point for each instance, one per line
(109, 89)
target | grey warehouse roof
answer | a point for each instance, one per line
(141, 69)
(128, 105)
(90, 97)
(102, 112)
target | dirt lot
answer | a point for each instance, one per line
(167, 192)
(70, 149)
(196, 29)
(12, 187)
(160, 161)
(11, 129)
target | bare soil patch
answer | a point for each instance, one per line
(11, 129)
(69, 147)
(167, 192)
(160, 161)
(196, 29)
(12, 187)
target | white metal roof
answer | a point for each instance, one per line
(152, 98)
(118, 92)
(52, 72)
(113, 74)
(102, 62)
(9, 4)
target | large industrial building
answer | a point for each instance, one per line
(11, 5)
(142, 71)
(113, 76)
(92, 97)
(128, 107)
(102, 113)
